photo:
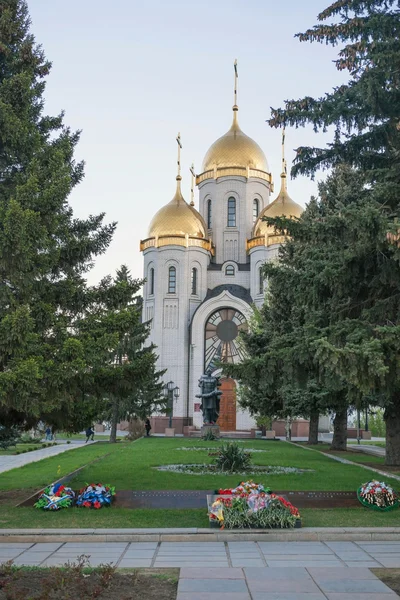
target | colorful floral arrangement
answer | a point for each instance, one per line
(55, 496)
(252, 505)
(95, 495)
(378, 495)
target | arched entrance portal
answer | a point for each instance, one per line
(227, 408)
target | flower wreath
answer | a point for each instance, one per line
(95, 495)
(378, 495)
(55, 496)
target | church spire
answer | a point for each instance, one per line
(192, 186)
(235, 107)
(284, 164)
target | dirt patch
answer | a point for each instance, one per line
(391, 577)
(15, 496)
(77, 582)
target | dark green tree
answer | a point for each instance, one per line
(44, 251)
(122, 371)
(363, 341)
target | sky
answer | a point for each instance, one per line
(132, 74)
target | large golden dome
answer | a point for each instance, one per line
(235, 149)
(177, 218)
(283, 205)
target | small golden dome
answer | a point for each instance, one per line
(235, 149)
(283, 205)
(177, 218)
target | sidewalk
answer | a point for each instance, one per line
(13, 462)
(238, 570)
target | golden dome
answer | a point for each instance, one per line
(177, 218)
(283, 205)
(235, 149)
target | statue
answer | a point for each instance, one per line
(210, 396)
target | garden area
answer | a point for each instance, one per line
(154, 465)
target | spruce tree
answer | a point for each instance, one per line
(44, 251)
(363, 341)
(123, 372)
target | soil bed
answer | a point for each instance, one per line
(391, 577)
(102, 584)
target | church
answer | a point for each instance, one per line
(203, 271)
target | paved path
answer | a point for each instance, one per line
(13, 462)
(238, 570)
(370, 449)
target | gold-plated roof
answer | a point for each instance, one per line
(177, 218)
(283, 205)
(235, 149)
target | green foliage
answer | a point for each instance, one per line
(45, 251)
(232, 457)
(209, 436)
(9, 436)
(376, 422)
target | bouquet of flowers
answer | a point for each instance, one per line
(95, 495)
(55, 496)
(243, 489)
(377, 495)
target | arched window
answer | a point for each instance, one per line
(230, 271)
(194, 281)
(255, 210)
(209, 214)
(171, 280)
(231, 212)
(260, 281)
(151, 282)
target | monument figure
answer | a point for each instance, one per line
(210, 395)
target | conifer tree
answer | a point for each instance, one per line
(363, 343)
(44, 251)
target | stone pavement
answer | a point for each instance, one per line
(13, 462)
(238, 570)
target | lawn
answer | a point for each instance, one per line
(130, 466)
(357, 457)
(19, 448)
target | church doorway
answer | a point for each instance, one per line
(227, 408)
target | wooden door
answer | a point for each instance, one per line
(227, 409)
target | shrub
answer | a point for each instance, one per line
(68, 441)
(9, 436)
(231, 457)
(209, 436)
(27, 438)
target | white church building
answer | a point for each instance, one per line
(203, 271)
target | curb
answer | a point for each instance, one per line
(306, 534)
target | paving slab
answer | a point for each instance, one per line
(295, 573)
(303, 563)
(358, 573)
(287, 596)
(196, 573)
(352, 596)
(353, 586)
(302, 586)
(133, 563)
(247, 562)
(212, 585)
(215, 596)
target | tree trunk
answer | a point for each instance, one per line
(288, 429)
(339, 441)
(313, 431)
(392, 421)
(114, 420)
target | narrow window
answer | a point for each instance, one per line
(260, 281)
(231, 212)
(255, 210)
(194, 281)
(209, 214)
(171, 280)
(151, 282)
(230, 270)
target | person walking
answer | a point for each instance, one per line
(89, 434)
(48, 434)
(147, 426)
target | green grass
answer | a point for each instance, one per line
(357, 457)
(129, 466)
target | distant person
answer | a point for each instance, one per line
(89, 434)
(48, 434)
(147, 426)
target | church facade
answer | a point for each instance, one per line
(203, 271)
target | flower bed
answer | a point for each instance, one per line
(207, 469)
(378, 496)
(95, 495)
(55, 497)
(251, 505)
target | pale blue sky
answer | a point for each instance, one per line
(132, 74)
